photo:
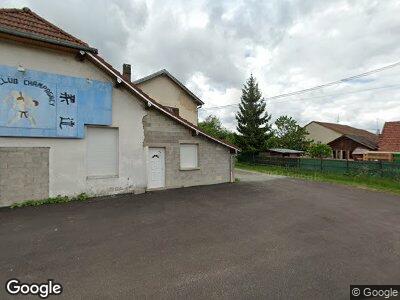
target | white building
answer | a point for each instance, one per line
(70, 123)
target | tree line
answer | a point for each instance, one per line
(256, 133)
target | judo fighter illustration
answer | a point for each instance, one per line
(23, 107)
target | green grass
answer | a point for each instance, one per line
(53, 200)
(361, 181)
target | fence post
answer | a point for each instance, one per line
(347, 164)
(321, 164)
(381, 167)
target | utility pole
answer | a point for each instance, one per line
(378, 131)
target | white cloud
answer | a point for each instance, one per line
(213, 46)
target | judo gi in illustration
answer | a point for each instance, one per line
(22, 106)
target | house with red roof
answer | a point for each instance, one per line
(389, 139)
(71, 123)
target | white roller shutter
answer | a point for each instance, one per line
(102, 151)
(188, 154)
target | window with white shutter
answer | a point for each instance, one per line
(189, 156)
(102, 152)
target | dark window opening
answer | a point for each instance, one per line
(173, 110)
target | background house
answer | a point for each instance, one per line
(173, 94)
(343, 139)
(388, 145)
(389, 139)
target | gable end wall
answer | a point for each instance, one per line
(168, 93)
(68, 157)
(321, 134)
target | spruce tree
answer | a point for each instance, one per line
(253, 120)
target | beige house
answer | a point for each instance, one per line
(319, 132)
(325, 133)
(171, 93)
(345, 141)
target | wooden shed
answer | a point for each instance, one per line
(282, 152)
(352, 146)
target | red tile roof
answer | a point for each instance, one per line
(24, 21)
(151, 102)
(390, 138)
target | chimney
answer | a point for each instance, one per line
(126, 71)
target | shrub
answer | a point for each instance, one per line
(52, 200)
(319, 150)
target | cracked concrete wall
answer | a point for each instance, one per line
(24, 174)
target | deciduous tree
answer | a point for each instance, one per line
(213, 126)
(288, 134)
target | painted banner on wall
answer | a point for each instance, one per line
(39, 104)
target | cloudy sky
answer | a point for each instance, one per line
(213, 46)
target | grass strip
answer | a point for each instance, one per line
(361, 181)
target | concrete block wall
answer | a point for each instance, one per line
(24, 174)
(214, 159)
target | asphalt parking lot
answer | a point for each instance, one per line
(278, 238)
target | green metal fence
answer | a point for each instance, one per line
(348, 167)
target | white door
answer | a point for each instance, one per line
(156, 168)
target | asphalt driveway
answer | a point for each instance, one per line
(280, 238)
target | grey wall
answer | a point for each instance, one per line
(214, 159)
(24, 174)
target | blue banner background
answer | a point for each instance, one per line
(39, 104)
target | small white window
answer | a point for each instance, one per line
(188, 153)
(102, 152)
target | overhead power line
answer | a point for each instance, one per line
(394, 86)
(335, 82)
(340, 81)
(316, 97)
